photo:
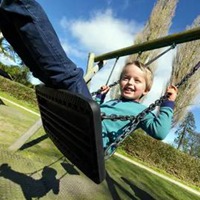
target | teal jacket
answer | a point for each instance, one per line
(155, 125)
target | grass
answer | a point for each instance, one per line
(14, 123)
(20, 102)
(135, 183)
(123, 181)
(158, 170)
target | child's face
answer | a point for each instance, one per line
(133, 83)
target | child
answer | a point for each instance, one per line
(26, 27)
(135, 82)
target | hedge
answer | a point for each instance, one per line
(18, 91)
(163, 156)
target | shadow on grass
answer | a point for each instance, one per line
(112, 186)
(70, 168)
(32, 188)
(34, 142)
(1, 102)
(137, 192)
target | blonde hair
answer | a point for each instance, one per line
(145, 69)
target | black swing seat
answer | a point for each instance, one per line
(73, 123)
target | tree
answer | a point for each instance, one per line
(186, 58)
(157, 26)
(183, 132)
(17, 73)
(193, 145)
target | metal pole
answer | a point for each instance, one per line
(185, 36)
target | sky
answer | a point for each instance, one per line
(101, 26)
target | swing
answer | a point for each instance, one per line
(73, 123)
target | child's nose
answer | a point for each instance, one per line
(131, 81)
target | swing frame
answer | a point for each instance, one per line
(69, 102)
(170, 40)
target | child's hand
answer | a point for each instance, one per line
(105, 89)
(172, 92)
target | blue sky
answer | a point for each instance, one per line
(100, 26)
(89, 26)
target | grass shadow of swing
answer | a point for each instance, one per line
(34, 142)
(112, 187)
(116, 189)
(69, 168)
(141, 194)
(1, 102)
(31, 187)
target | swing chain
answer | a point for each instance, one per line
(194, 69)
(151, 107)
(132, 125)
(158, 102)
(99, 91)
(115, 117)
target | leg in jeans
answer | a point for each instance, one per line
(17, 43)
(36, 42)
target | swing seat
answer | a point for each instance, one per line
(73, 123)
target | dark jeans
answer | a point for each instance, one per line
(27, 28)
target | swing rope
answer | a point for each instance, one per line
(112, 70)
(139, 54)
(132, 125)
(161, 54)
(111, 85)
(32, 173)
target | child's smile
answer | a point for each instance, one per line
(133, 83)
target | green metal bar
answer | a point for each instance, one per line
(177, 38)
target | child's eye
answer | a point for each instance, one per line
(137, 81)
(125, 78)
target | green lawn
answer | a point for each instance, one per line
(124, 180)
(132, 182)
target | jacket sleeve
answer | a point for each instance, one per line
(158, 126)
(100, 98)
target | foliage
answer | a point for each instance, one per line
(193, 146)
(18, 90)
(8, 50)
(163, 156)
(157, 26)
(18, 74)
(185, 128)
(188, 140)
(186, 58)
